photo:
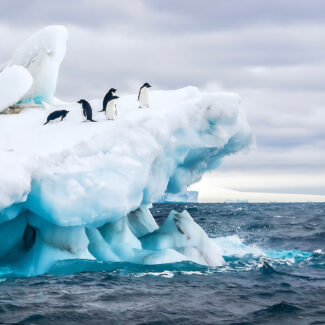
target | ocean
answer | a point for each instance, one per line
(284, 285)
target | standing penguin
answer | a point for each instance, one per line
(143, 97)
(86, 110)
(107, 98)
(111, 111)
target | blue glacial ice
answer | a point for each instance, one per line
(75, 190)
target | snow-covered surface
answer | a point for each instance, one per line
(15, 81)
(75, 189)
(81, 173)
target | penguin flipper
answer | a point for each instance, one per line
(105, 101)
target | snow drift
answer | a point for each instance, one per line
(39, 58)
(83, 190)
(15, 81)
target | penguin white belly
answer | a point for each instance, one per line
(111, 110)
(144, 97)
(58, 119)
(83, 115)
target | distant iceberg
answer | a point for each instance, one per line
(186, 196)
(83, 190)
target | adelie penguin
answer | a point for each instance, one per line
(107, 98)
(111, 111)
(56, 116)
(143, 97)
(86, 110)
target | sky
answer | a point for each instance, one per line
(272, 53)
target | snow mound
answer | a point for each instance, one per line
(15, 81)
(41, 55)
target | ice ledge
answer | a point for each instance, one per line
(73, 173)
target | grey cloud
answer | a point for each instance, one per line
(120, 15)
(298, 159)
(109, 56)
(229, 14)
(165, 16)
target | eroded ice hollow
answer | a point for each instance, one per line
(73, 190)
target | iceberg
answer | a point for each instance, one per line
(74, 190)
(187, 196)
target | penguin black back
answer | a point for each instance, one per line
(55, 115)
(107, 98)
(86, 109)
(144, 85)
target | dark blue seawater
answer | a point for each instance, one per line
(286, 285)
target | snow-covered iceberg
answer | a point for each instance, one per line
(83, 190)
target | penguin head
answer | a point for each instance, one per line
(112, 90)
(81, 101)
(66, 112)
(146, 85)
